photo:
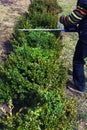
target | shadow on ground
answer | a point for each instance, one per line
(6, 2)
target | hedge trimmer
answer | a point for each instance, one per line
(61, 28)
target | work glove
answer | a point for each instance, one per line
(67, 27)
(62, 20)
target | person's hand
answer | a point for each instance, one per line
(62, 19)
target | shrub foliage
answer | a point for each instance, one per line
(33, 76)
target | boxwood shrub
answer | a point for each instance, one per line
(51, 6)
(44, 40)
(33, 76)
(37, 19)
(56, 113)
(44, 13)
(28, 67)
(31, 38)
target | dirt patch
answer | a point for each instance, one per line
(10, 10)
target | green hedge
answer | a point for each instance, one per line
(44, 13)
(33, 76)
(54, 113)
(29, 67)
(37, 19)
(44, 6)
(44, 40)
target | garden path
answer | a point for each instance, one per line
(10, 10)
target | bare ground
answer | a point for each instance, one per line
(10, 10)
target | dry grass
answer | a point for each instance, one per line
(69, 41)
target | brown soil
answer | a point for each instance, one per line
(10, 10)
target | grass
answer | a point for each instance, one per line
(69, 42)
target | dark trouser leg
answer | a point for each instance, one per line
(78, 65)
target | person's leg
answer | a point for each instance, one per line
(78, 65)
